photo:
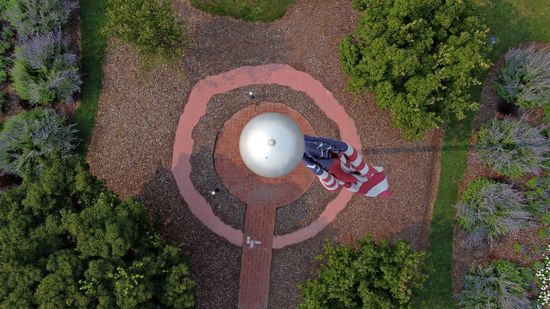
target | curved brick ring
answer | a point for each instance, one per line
(244, 76)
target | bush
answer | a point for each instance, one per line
(512, 148)
(150, 25)
(66, 241)
(538, 195)
(418, 58)
(489, 209)
(372, 275)
(525, 77)
(30, 136)
(501, 284)
(45, 71)
(32, 17)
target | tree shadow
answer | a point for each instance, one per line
(214, 262)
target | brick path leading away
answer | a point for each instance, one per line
(257, 239)
(259, 223)
(262, 196)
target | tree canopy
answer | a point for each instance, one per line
(67, 241)
(418, 58)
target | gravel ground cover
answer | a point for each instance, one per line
(465, 256)
(131, 146)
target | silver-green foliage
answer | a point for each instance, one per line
(512, 148)
(525, 77)
(32, 17)
(33, 135)
(45, 70)
(489, 209)
(501, 284)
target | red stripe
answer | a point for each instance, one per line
(353, 155)
(361, 166)
(336, 170)
(369, 184)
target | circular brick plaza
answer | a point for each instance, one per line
(257, 192)
(248, 187)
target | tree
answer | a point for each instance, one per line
(67, 241)
(418, 58)
(371, 275)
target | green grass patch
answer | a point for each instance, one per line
(511, 22)
(93, 44)
(249, 10)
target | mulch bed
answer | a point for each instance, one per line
(466, 256)
(131, 146)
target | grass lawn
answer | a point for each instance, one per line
(512, 22)
(250, 10)
(93, 44)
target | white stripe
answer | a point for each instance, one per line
(379, 188)
(360, 179)
(330, 182)
(348, 151)
(332, 187)
(357, 160)
(380, 169)
(365, 170)
(323, 175)
(355, 187)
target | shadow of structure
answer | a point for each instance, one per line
(214, 262)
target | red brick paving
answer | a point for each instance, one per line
(260, 214)
(249, 187)
(259, 224)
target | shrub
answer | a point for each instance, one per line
(32, 17)
(150, 25)
(418, 58)
(512, 148)
(372, 275)
(525, 77)
(489, 209)
(501, 284)
(66, 241)
(45, 71)
(32, 135)
(538, 195)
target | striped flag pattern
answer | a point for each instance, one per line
(338, 164)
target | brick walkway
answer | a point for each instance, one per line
(257, 239)
(262, 196)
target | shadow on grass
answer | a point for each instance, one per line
(93, 45)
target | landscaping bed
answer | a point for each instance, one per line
(524, 246)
